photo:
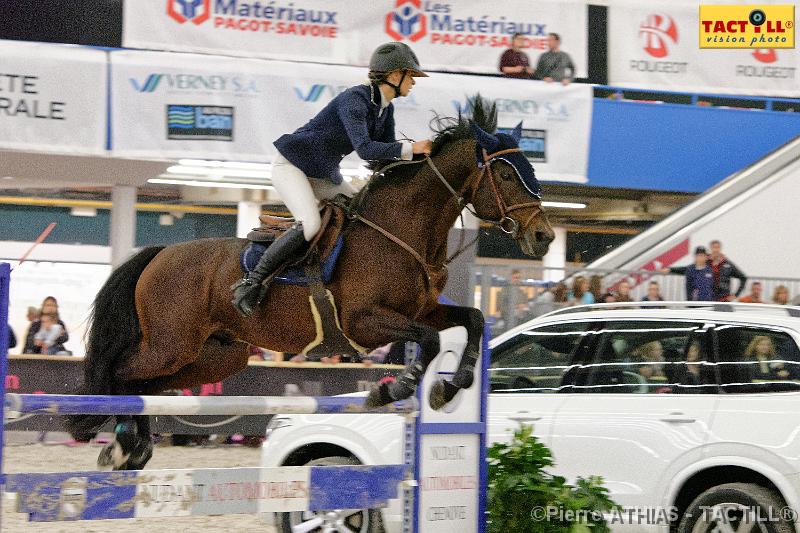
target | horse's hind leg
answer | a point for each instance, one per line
(399, 328)
(443, 391)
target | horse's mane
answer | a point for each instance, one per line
(448, 131)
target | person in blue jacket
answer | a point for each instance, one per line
(307, 165)
(699, 277)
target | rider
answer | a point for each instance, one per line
(307, 165)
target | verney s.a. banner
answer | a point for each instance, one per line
(455, 36)
(655, 45)
(185, 105)
(44, 105)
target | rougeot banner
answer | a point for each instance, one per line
(656, 45)
(462, 36)
(207, 107)
(44, 105)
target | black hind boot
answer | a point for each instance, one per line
(249, 291)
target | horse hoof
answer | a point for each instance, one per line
(139, 456)
(442, 392)
(111, 457)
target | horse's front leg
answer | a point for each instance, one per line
(443, 391)
(391, 326)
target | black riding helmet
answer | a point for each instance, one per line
(395, 56)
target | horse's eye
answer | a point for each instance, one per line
(506, 175)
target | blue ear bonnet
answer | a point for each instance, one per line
(517, 160)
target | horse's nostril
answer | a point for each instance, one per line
(542, 236)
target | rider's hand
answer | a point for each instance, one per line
(422, 147)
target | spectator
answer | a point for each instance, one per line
(554, 64)
(48, 333)
(49, 305)
(699, 277)
(580, 294)
(596, 287)
(780, 295)
(653, 293)
(723, 271)
(608, 298)
(511, 299)
(550, 300)
(755, 294)
(651, 357)
(514, 62)
(624, 292)
(761, 350)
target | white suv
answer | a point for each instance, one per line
(690, 413)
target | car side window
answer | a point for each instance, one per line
(753, 359)
(644, 357)
(535, 360)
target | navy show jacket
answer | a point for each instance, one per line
(351, 121)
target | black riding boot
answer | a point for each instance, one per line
(249, 291)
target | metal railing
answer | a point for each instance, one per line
(491, 283)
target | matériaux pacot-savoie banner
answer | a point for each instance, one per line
(455, 36)
(225, 108)
(656, 45)
(44, 106)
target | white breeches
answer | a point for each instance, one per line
(301, 194)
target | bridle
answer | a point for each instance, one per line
(464, 197)
(505, 222)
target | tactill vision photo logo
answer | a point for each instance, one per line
(407, 21)
(199, 122)
(194, 11)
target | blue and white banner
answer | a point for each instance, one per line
(462, 36)
(52, 98)
(168, 105)
(211, 491)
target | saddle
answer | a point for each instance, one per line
(313, 269)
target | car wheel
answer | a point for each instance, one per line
(735, 507)
(339, 520)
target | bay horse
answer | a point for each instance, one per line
(164, 319)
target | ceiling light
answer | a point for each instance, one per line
(564, 205)
(209, 183)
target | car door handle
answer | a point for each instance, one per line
(525, 416)
(677, 417)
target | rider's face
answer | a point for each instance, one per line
(408, 82)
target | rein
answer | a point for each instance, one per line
(505, 223)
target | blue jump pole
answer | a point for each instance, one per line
(5, 278)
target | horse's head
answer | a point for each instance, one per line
(504, 189)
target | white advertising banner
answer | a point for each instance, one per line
(44, 105)
(165, 105)
(655, 45)
(463, 36)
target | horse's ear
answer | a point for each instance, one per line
(486, 140)
(517, 133)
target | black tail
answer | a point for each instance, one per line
(113, 336)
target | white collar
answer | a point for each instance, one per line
(384, 103)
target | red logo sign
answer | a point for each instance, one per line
(407, 21)
(658, 30)
(195, 11)
(765, 55)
